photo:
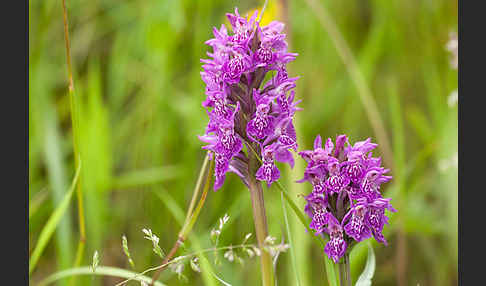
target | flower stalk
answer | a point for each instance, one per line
(260, 220)
(345, 271)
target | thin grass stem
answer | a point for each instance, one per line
(75, 131)
(191, 218)
(200, 179)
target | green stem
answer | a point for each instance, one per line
(75, 128)
(191, 217)
(260, 220)
(204, 170)
(261, 230)
(344, 270)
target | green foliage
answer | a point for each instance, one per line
(51, 225)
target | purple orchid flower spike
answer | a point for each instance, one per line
(346, 186)
(243, 108)
(372, 180)
(377, 219)
(320, 218)
(242, 28)
(268, 171)
(337, 180)
(359, 149)
(287, 105)
(250, 102)
(336, 246)
(284, 155)
(221, 166)
(357, 226)
(261, 125)
(339, 151)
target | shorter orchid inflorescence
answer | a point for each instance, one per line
(345, 202)
(242, 108)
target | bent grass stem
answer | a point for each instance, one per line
(207, 168)
(179, 258)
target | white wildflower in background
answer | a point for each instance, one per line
(229, 255)
(215, 234)
(257, 251)
(269, 240)
(445, 164)
(453, 98)
(249, 252)
(246, 238)
(177, 267)
(274, 250)
(453, 47)
(95, 261)
(155, 242)
(195, 264)
(126, 251)
(282, 247)
(223, 221)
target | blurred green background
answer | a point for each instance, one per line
(138, 94)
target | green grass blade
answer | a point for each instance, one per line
(398, 134)
(420, 125)
(56, 174)
(331, 272)
(51, 224)
(289, 237)
(145, 177)
(304, 246)
(36, 202)
(188, 226)
(358, 79)
(100, 270)
(298, 213)
(171, 204)
(369, 270)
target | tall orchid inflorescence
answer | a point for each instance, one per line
(345, 202)
(242, 108)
